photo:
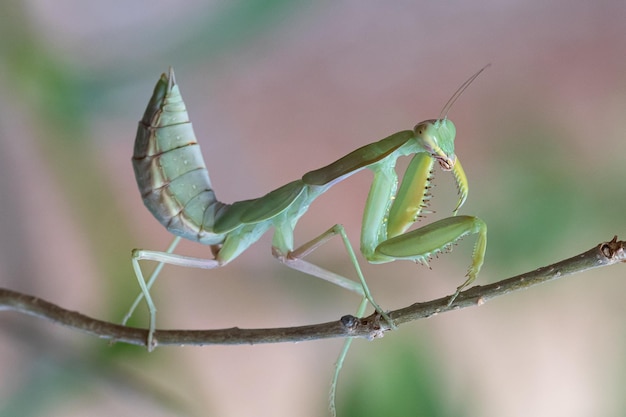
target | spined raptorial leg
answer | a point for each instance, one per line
(420, 244)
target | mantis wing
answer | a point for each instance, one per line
(360, 158)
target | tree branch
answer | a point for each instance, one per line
(604, 254)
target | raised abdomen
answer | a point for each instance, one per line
(169, 168)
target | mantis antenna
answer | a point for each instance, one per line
(446, 108)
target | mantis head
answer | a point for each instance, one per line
(437, 138)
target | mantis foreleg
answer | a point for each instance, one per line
(389, 214)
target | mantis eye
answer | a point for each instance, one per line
(426, 134)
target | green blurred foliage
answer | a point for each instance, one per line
(405, 381)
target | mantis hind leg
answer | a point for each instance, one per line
(153, 277)
(162, 258)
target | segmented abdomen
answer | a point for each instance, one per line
(169, 168)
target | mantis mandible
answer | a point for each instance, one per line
(176, 188)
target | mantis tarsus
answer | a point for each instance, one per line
(175, 186)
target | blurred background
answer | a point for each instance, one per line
(275, 89)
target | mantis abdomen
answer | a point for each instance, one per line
(170, 171)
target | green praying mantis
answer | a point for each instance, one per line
(176, 188)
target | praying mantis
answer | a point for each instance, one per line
(176, 188)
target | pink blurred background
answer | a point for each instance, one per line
(278, 89)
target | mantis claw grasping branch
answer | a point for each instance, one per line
(175, 187)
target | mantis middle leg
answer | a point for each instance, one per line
(293, 259)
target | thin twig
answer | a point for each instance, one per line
(604, 254)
